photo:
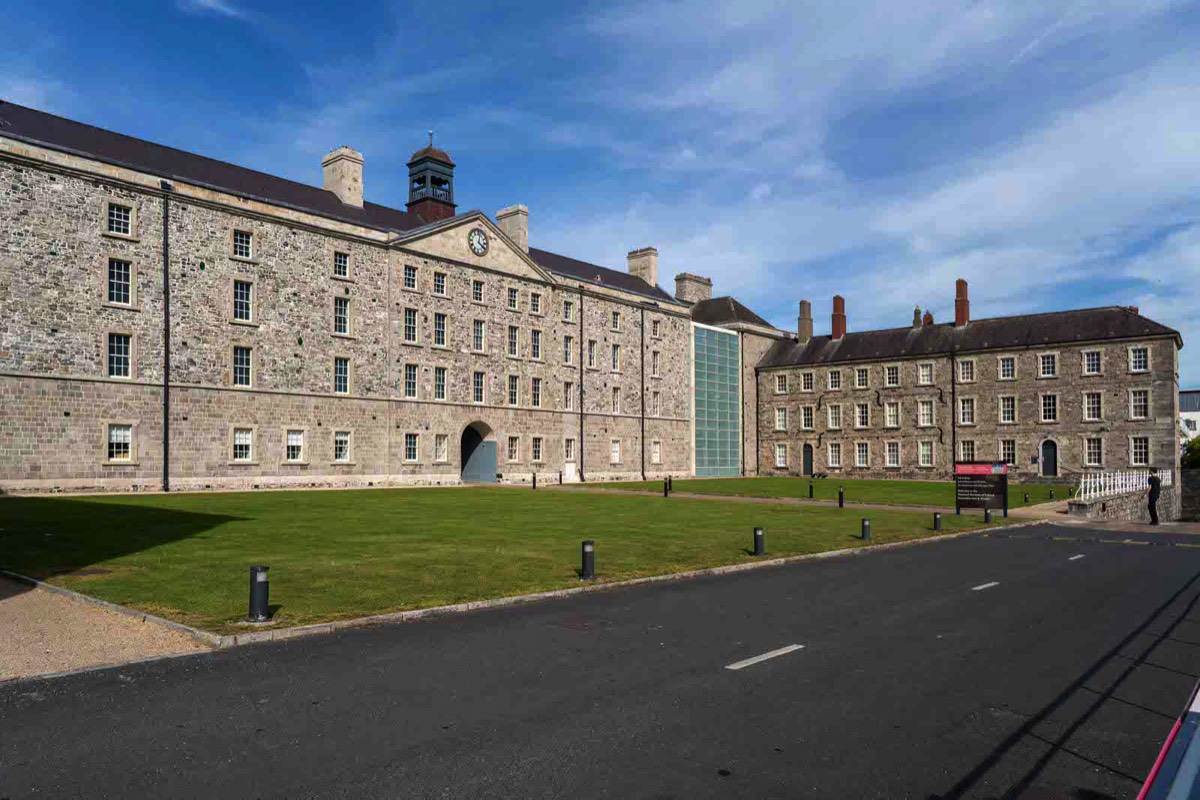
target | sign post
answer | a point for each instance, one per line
(980, 484)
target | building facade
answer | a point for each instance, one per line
(1189, 414)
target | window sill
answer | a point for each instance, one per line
(1092, 375)
(120, 463)
(1047, 377)
(511, 357)
(483, 303)
(1008, 422)
(343, 278)
(440, 347)
(1093, 421)
(343, 335)
(124, 237)
(892, 466)
(243, 260)
(232, 463)
(244, 323)
(1047, 422)
(413, 290)
(121, 306)
(294, 463)
(405, 344)
(342, 463)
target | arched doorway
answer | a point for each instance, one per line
(808, 459)
(477, 454)
(1049, 459)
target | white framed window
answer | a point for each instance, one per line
(294, 446)
(439, 329)
(410, 277)
(341, 375)
(120, 442)
(925, 414)
(243, 301)
(1093, 452)
(1139, 403)
(341, 265)
(780, 455)
(535, 344)
(1092, 362)
(1008, 368)
(568, 311)
(568, 396)
(616, 320)
(655, 328)
(243, 444)
(410, 325)
(1008, 451)
(806, 418)
(591, 354)
(862, 454)
(477, 291)
(514, 341)
(656, 452)
(925, 454)
(478, 384)
(892, 450)
(781, 384)
(966, 371)
(1092, 407)
(655, 404)
(120, 219)
(1048, 365)
(120, 282)
(1139, 451)
(1008, 409)
(891, 375)
(514, 299)
(243, 244)
(1139, 359)
(862, 415)
(616, 358)
(514, 390)
(341, 446)
(781, 419)
(925, 374)
(535, 392)
(966, 450)
(478, 335)
(410, 381)
(891, 414)
(614, 452)
(835, 417)
(654, 364)
(807, 381)
(1049, 408)
(862, 378)
(616, 400)
(441, 448)
(833, 455)
(835, 379)
(439, 284)
(242, 366)
(412, 447)
(439, 383)
(568, 349)
(966, 411)
(535, 449)
(535, 305)
(514, 448)
(341, 318)
(120, 355)
(568, 449)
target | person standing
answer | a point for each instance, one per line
(1152, 494)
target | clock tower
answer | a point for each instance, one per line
(431, 183)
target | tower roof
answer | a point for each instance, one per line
(429, 151)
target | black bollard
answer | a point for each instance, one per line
(937, 520)
(589, 560)
(670, 483)
(759, 544)
(810, 491)
(866, 529)
(535, 481)
(987, 515)
(259, 595)
(560, 477)
(1027, 498)
(841, 497)
(1051, 494)
(666, 488)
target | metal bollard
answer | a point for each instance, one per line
(1027, 498)
(866, 529)
(1051, 494)
(670, 483)
(810, 491)
(666, 488)
(535, 481)
(560, 477)
(589, 560)
(759, 545)
(841, 497)
(987, 515)
(259, 595)
(937, 520)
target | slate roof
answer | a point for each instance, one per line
(593, 273)
(1189, 400)
(58, 133)
(1028, 330)
(725, 311)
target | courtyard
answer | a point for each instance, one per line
(344, 554)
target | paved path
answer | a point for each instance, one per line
(795, 501)
(1049, 665)
(45, 632)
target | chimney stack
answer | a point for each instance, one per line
(962, 305)
(342, 173)
(514, 222)
(691, 289)
(644, 264)
(839, 317)
(917, 317)
(927, 319)
(804, 328)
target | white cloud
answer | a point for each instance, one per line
(221, 8)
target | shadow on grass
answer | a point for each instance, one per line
(44, 537)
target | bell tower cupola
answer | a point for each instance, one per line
(431, 183)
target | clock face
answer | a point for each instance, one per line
(478, 240)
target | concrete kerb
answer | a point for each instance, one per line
(218, 641)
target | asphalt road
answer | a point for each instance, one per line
(1060, 680)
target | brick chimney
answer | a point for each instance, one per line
(917, 317)
(804, 328)
(839, 317)
(644, 264)
(927, 319)
(962, 305)
(691, 289)
(514, 221)
(342, 172)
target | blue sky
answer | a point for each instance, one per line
(1049, 153)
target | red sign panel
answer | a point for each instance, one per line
(975, 468)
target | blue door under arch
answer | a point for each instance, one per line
(478, 458)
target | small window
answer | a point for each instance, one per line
(478, 381)
(1048, 365)
(616, 320)
(966, 450)
(412, 448)
(835, 417)
(780, 455)
(1049, 408)
(806, 382)
(568, 395)
(441, 448)
(862, 454)
(591, 354)
(341, 315)
(1139, 404)
(410, 325)
(925, 413)
(513, 299)
(1139, 451)
(568, 311)
(295, 446)
(893, 454)
(120, 282)
(514, 448)
(616, 400)
(1008, 368)
(925, 454)
(1091, 362)
(925, 374)
(341, 265)
(835, 379)
(1092, 410)
(514, 342)
(616, 358)
(1008, 409)
(341, 445)
(478, 335)
(654, 364)
(241, 366)
(781, 384)
(892, 375)
(1139, 359)
(243, 301)
(966, 411)
(535, 345)
(439, 330)
(535, 392)
(1093, 452)
(439, 383)
(655, 328)
(243, 444)
(477, 291)
(120, 219)
(410, 277)
(656, 452)
(862, 378)
(439, 283)
(1008, 451)
(120, 442)
(514, 390)
(119, 356)
(656, 404)
(535, 449)
(243, 244)
(568, 349)
(781, 419)
(862, 415)
(806, 418)
(410, 381)
(568, 449)
(835, 455)
(614, 453)
(891, 414)
(966, 372)
(535, 303)
(341, 375)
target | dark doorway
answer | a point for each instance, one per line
(478, 454)
(808, 458)
(1049, 459)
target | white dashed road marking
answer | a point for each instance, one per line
(783, 651)
(983, 586)
(1075, 558)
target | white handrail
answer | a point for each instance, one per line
(1093, 485)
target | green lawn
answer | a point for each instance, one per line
(884, 492)
(340, 554)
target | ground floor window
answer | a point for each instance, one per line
(966, 450)
(243, 439)
(1139, 451)
(514, 448)
(614, 455)
(120, 442)
(536, 448)
(440, 448)
(925, 454)
(780, 456)
(568, 449)
(656, 452)
(893, 454)
(835, 454)
(1093, 452)
(862, 454)
(341, 445)
(295, 445)
(1008, 451)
